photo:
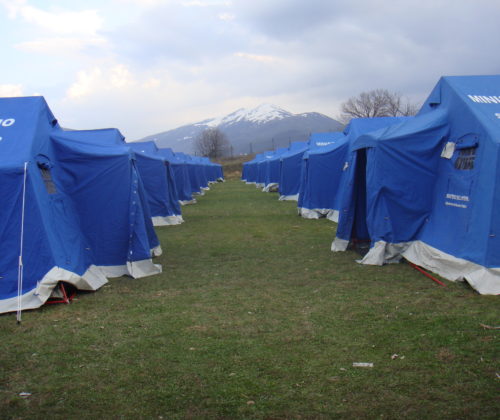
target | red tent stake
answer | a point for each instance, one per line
(425, 273)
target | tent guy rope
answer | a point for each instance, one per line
(20, 267)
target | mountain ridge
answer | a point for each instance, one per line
(250, 130)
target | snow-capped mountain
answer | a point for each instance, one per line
(250, 130)
(260, 115)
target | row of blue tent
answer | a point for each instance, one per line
(80, 206)
(172, 179)
(423, 188)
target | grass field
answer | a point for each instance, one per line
(254, 318)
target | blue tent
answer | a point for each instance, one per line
(97, 170)
(290, 172)
(181, 176)
(250, 169)
(352, 200)
(201, 172)
(41, 242)
(213, 170)
(196, 179)
(321, 172)
(260, 181)
(158, 179)
(272, 168)
(355, 192)
(218, 171)
(210, 172)
(244, 171)
(431, 185)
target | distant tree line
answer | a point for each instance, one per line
(376, 103)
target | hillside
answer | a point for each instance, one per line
(251, 130)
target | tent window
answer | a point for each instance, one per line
(47, 180)
(465, 159)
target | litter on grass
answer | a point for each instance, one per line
(362, 364)
(489, 327)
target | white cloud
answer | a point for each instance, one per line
(62, 45)
(138, 103)
(256, 57)
(151, 83)
(227, 16)
(85, 22)
(151, 65)
(186, 3)
(143, 3)
(11, 90)
(86, 83)
(205, 3)
(13, 7)
(120, 77)
(56, 31)
(97, 80)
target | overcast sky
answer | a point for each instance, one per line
(146, 66)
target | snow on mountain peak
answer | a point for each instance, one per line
(261, 114)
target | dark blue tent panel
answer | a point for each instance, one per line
(181, 175)
(290, 171)
(272, 168)
(250, 169)
(321, 171)
(158, 178)
(430, 186)
(38, 222)
(192, 174)
(262, 169)
(97, 170)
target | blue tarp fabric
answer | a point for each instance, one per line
(181, 175)
(272, 168)
(250, 169)
(74, 208)
(158, 178)
(352, 199)
(53, 246)
(321, 171)
(431, 186)
(98, 171)
(290, 172)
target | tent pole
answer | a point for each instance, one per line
(20, 266)
(425, 273)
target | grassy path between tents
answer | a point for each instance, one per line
(254, 318)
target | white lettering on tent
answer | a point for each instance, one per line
(457, 197)
(497, 115)
(481, 99)
(323, 143)
(7, 122)
(462, 206)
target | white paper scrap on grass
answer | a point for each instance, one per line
(362, 364)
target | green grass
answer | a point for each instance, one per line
(254, 318)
